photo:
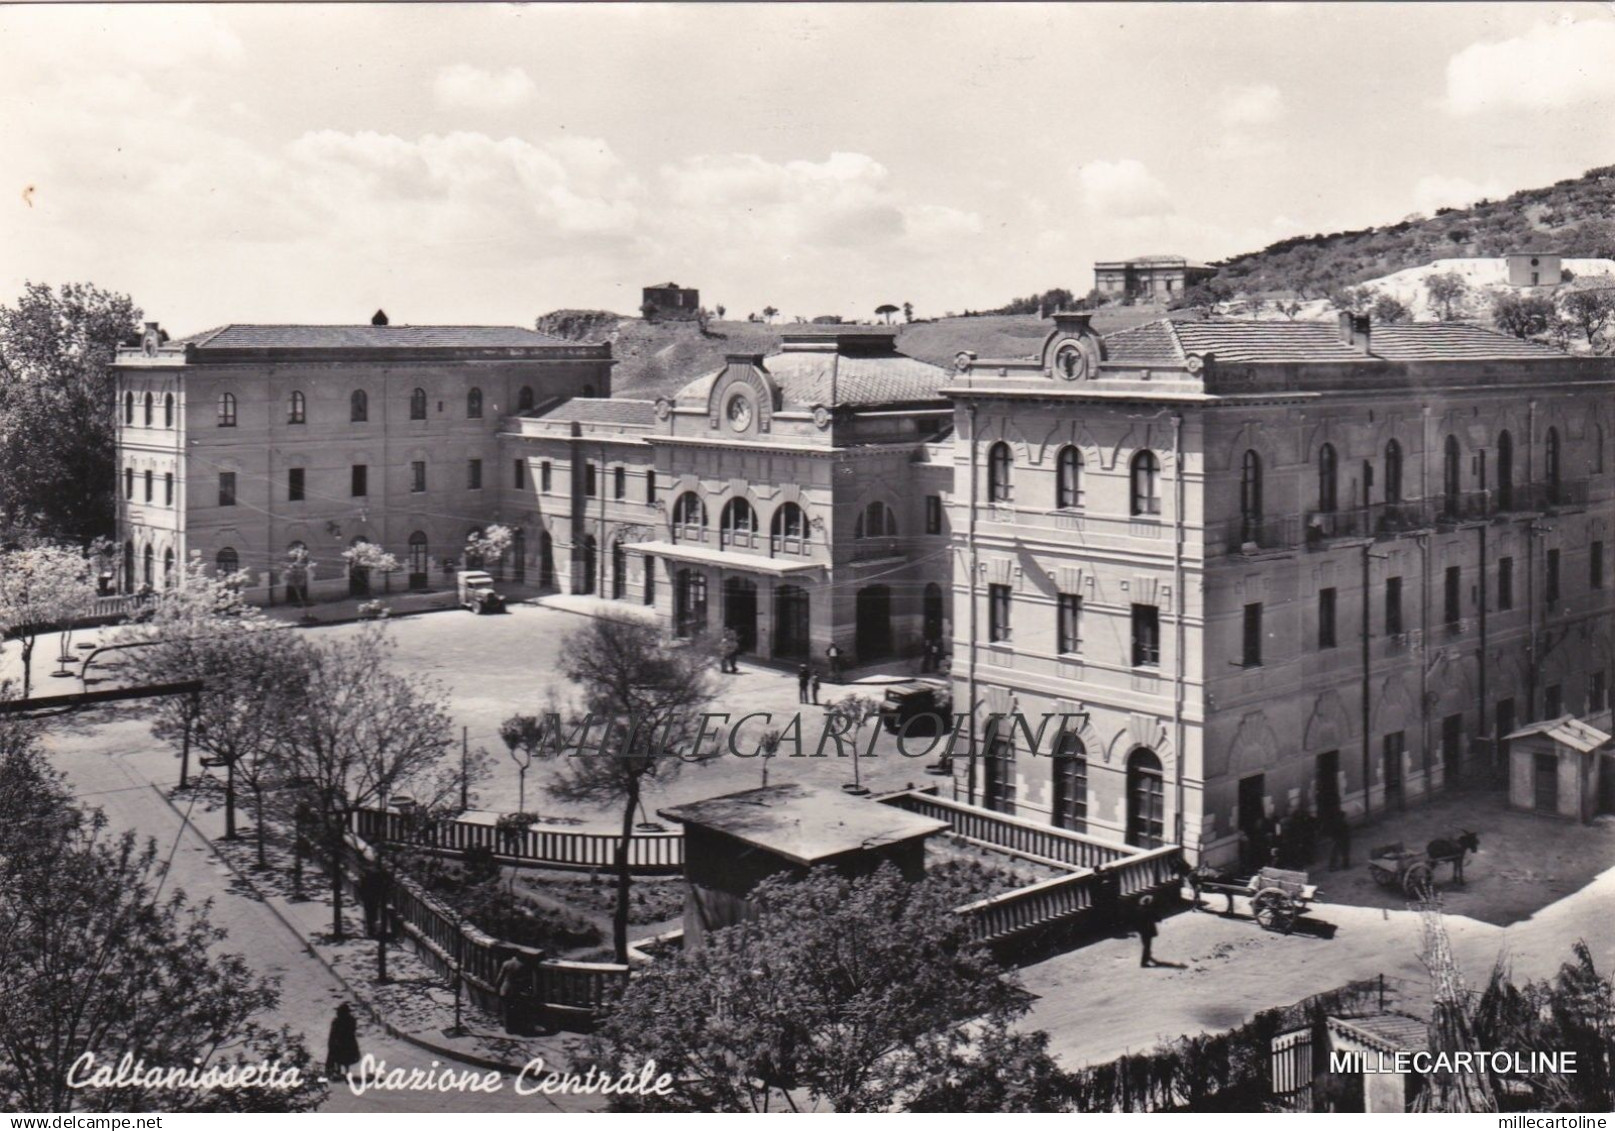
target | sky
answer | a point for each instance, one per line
(486, 163)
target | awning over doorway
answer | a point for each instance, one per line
(701, 555)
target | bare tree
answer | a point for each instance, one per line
(648, 692)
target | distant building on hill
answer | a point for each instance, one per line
(1534, 269)
(669, 300)
(1149, 278)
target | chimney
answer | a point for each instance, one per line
(1355, 331)
(379, 318)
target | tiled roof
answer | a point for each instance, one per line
(1255, 341)
(600, 410)
(259, 337)
(1567, 730)
(807, 378)
(1396, 1031)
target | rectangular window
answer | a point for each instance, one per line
(933, 514)
(1146, 636)
(650, 580)
(128, 482)
(227, 488)
(1451, 606)
(417, 476)
(619, 483)
(544, 477)
(997, 613)
(168, 488)
(473, 475)
(588, 480)
(1253, 635)
(149, 495)
(650, 486)
(1552, 584)
(360, 480)
(1392, 749)
(1326, 618)
(1597, 693)
(1505, 583)
(1393, 606)
(518, 473)
(1595, 565)
(1553, 701)
(294, 485)
(1070, 623)
(998, 770)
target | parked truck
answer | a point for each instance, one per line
(477, 592)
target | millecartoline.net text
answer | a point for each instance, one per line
(764, 734)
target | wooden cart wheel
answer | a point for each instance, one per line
(1419, 881)
(1274, 910)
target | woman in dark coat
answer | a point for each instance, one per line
(342, 1047)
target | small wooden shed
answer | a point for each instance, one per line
(734, 842)
(1556, 766)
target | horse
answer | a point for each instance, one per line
(1452, 850)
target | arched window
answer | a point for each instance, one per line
(788, 529)
(876, 521)
(227, 561)
(1250, 496)
(689, 516)
(1068, 478)
(738, 522)
(129, 584)
(168, 410)
(168, 568)
(1146, 800)
(1393, 471)
(999, 461)
(1550, 461)
(417, 405)
(1505, 471)
(418, 559)
(1070, 784)
(1328, 479)
(147, 569)
(297, 410)
(473, 404)
(524, 399)
(1451, 478)
(1145, 471)
(227, 410)
(129, 408)
(151, 404)
(359, 406)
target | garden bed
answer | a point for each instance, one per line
(976, 873)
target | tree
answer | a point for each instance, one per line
(43, 588)
(524, 737)
(1447, 292)
(851, 993)
(1355, 300)
(1590, 311)
(885, 311)
(490, 544)
(365, 736)
(365, 558)
(1524, 316)
(98, 961)
(1204, 297)
(1390, 310)
(770, 313)
(647, 692)
(719, 310)
(848, 716)
(908, 312)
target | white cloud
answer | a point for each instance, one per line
(473, 88)
(1435, 191)
(1250, 105)
(1123, 189)
(1550, 67)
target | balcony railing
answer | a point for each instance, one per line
(1320, 527)
(1243, 535)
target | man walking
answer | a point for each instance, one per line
(511, 983)
(373, 895)
(731, 651)
(1146, 930)
(803, 676)
(814, 687)
(833, 654)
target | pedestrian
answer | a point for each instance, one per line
(803, 677)
(814, 687)
(1145, 926)
(928, 657)
(833, 653)
(731, 650)
(342, 1045)
(511, 984)
(373, 895)
(1339, 833)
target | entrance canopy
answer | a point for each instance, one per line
(701, 555)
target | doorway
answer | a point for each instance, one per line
(933, 612)
(1545, 782)
(874, 613)
(791, 623)
(740, 611)
(1452, 737)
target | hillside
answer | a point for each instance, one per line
(1486, 280)
(658, 358)
(1574, 217)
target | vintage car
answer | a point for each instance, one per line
(930, 699)
(477, 593)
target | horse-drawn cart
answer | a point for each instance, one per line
(1396, 866)
(1278, 896)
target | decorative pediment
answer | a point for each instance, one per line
(744, 398)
